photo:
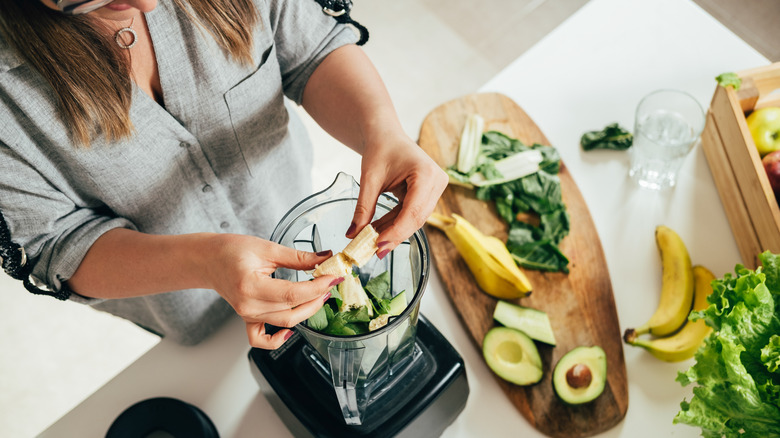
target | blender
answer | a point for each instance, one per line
(403, 379)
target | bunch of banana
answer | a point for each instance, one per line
(683, 344)
(486, 256)
(683, 287)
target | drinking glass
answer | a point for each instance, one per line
(666, 127)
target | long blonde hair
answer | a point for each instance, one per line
(92, 78)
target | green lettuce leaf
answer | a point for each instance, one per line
(737, 392)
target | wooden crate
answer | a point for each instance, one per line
(744, 189)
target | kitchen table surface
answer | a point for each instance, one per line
(590, 71)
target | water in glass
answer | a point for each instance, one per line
(662, 139)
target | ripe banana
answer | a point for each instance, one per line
(357, 252)
(684, 344)
(676, 290)
(486, 256)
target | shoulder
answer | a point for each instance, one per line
(9, 59)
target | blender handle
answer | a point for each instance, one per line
(345, 370)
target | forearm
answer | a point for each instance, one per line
(346, 96)
(124, 263)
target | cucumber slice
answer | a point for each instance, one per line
(532, 322)
(398, 304)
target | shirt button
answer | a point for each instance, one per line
(224, 225)
(206, 188)
(184, 144)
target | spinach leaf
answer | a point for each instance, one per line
(379, 286)
(359, 314)
(542, 255)
(612, 137)
(541, 191)
(551, 159)
(319, 320)
(336, 295)
(555, 225)
(538, 193)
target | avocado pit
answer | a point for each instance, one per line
(579, 376)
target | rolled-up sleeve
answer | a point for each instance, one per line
(54, 231)
(304, 35)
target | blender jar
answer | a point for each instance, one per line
(361, 367)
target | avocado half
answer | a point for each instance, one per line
(581, 375)
(512, 355)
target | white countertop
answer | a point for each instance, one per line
(589, 72)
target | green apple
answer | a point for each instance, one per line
(764, 127)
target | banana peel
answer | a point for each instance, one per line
(683, 344)
(486, 256)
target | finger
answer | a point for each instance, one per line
(291, 294)
(268, 307)
(385, 221)
(370, 189)
(285, 257)
(294, 316)
(258, 338)
(417, 206)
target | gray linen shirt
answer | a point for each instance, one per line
(225, 154)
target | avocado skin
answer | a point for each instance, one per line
(596, 360)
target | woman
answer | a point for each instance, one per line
(147, 150)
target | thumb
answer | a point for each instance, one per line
(290, 258)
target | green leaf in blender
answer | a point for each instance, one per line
(336, 295)
(379, 286)
(356, 320)
(319, 320)
(359, 314)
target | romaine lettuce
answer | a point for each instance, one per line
(737, 392)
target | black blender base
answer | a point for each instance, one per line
(307, 403)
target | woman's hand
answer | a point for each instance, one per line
(394, 163)
(243, 277)
(346, 96)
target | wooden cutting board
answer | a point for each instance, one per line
(580, 304)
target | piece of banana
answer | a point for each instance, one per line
(683, 344)
(337, 265)
(357, 252)
(362, 247)
(378, 322)
(353, 295)
(676, 286)
(486, 256)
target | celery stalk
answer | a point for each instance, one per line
(511, 168)
(470, 142)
